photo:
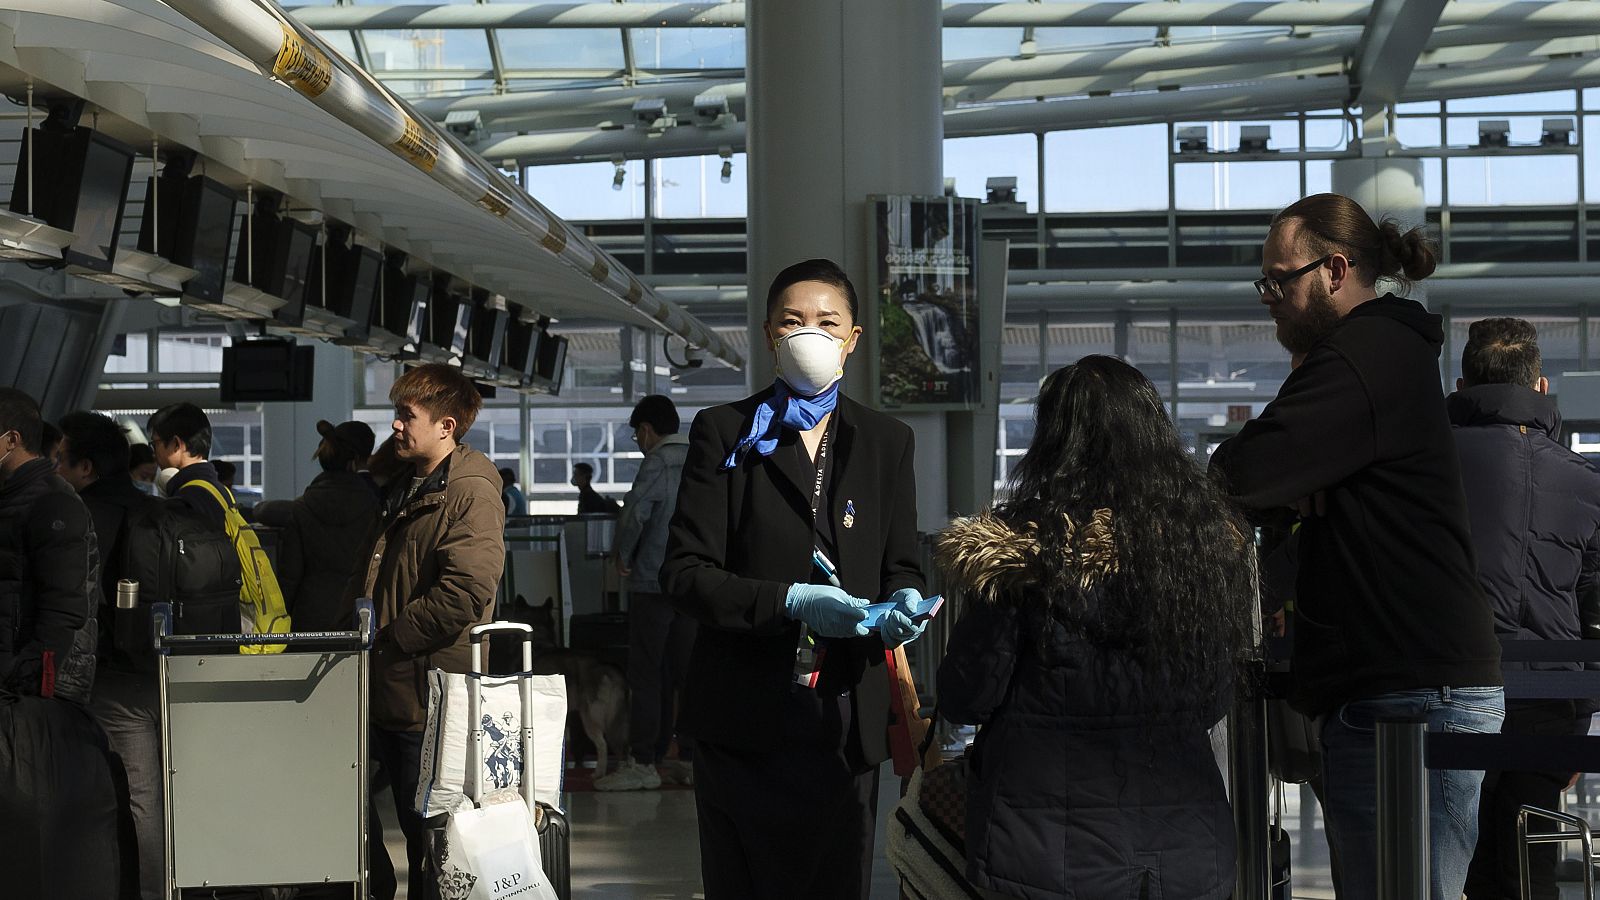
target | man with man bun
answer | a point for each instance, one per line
(1389, 617)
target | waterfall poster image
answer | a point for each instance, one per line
(927, 299)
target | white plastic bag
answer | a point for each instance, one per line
(444, 743)
(492, 853)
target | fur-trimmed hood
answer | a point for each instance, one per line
(989, 558)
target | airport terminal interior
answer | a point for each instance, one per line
(273, 209)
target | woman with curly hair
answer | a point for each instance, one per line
(1107, 601)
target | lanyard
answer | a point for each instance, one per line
(822, 469)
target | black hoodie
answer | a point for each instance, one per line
(1387, 597)
(1535, 508)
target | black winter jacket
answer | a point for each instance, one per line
(1387, 596)
(1535, 513)
(49, 584)
(1092, 777)
(324, 544)
(113, 501)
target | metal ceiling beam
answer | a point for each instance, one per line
(1151, 13)
(275, 45)
(1233, 101)
(1396, 34)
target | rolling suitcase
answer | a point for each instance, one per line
(555, 835)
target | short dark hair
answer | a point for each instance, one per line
(225, 470)
(657, 411)
(141, 455)
(507, 476)
(584, 466)
(441, 390)
(824, 270)
(49, 439)
(98, 439)
(20, 413)
(1501, 351)
(186, 422)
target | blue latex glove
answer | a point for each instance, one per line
(827, 610)
(897, 627)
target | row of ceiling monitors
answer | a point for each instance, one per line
(317, 280)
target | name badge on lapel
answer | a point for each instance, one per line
(849, 514)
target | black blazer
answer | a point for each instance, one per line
(740, 538)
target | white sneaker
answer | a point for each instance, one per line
(631, 776)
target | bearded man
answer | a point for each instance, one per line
(1389, 617)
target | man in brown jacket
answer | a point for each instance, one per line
(431, 572)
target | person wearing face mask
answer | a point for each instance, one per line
(59, 805)
(797, 508)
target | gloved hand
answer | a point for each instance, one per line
(827, 610)
(897, 627)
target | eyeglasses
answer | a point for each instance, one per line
(1274, 284)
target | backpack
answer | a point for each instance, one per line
(261, 603)
(177, 556)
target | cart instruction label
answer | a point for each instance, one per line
(302, 66)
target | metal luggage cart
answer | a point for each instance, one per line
(264, 757)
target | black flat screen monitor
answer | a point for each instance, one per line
(351, 284)
(293, 269)
(486, 338)
(450, 318)
(276, 255)
(519, 345)
(205, 232)
(267, 371)
(552, 361)
(393, 312)
(79, 184)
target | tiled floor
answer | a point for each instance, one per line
(643, 846)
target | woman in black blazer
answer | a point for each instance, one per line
(788, 694)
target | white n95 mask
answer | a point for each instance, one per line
(810, 360)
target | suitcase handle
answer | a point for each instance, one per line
(474, 773)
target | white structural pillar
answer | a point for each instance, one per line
(289, 430)
(843, 101)
(1383, 185)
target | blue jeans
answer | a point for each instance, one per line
(1350, 784)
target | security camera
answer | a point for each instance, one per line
(1494, 132)
(652, 113)
(711, 110)
(1192, 139)
(464, 123)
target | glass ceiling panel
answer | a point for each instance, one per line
(1198, 32)
(432, 48)
(1047, 39)
(981, 43)
(561, 48)
(340, 41)
(688, 48)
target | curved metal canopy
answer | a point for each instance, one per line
(148, 73)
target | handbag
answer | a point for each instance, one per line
(927, 841)
(492, 852)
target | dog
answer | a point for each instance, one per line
(597, 691)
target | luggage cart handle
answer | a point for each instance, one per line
(164, 640)
(474, 773)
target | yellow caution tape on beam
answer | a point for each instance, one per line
(418, 146)
(555, 240)
(302, 66)
(635, 293)
(599, 271)
(496, 203)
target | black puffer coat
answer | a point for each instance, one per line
(1090, 779)
(324, 542)
(1534, 507)
(49, 584)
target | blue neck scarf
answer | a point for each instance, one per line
(783, 409)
